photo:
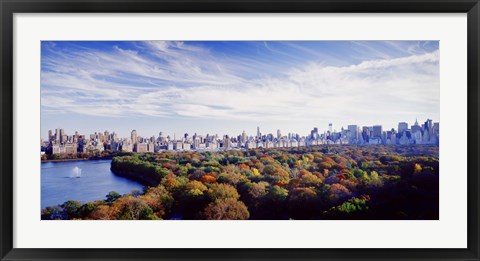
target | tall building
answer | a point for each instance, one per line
(279, 134)
(62, 136)
(377, 131)
(428, 125)
(353, 130)
(314, 133)
(330, 127)
(226, 142)
(259, 135)
(133, 137)
(106, 136)
(402, 126)
(50, 135)
(57, 136)
(416, 127)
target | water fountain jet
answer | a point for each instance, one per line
(76, 172)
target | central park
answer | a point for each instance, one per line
(372, 182)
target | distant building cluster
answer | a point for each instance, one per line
(61, 143)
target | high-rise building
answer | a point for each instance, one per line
(427, 125)
(353, 130)
(60, 136)
(50, 136)
(314, 133)
(416, 127)
(259, 135)
(57, 135)
(330, 127)
(436, 128)
(402, 126)
(133, 137)
(279, 134)
(377, 131)
(106, 136)
(226, 142)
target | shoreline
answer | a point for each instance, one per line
(71, 160)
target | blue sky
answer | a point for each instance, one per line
(226, 87)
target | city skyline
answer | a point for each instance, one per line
(249, 132)
(221, 87)
(59, 142)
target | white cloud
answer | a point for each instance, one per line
(188, 81)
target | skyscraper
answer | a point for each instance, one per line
(106, 136)
(133, 136)
(416, 127)
(427, 125)
(402, 126)
(279, 134)
(50, 135)
(259, 135)
(377, 131)
(353, 129)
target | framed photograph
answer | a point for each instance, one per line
(239, 130)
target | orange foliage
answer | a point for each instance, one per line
(228, 209)
(304, 172)
(171, 183)
(328, 160)
(208, 178)
(325, 165)
(281, 183)
(243, 166)
(102, 212)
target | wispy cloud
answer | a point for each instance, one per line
(163, 79)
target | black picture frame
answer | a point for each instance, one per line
(10, 7)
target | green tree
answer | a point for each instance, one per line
(86, 209)
(71, 209)
(112, 196)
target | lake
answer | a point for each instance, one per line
(83, 181)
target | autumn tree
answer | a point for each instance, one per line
(303, 203)
(222, 191)
(227, 209)
(130, 208)
(159, 200)
(274, 172)
(102, 212)
(338, 193)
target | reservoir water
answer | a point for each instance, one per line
(83, 181)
